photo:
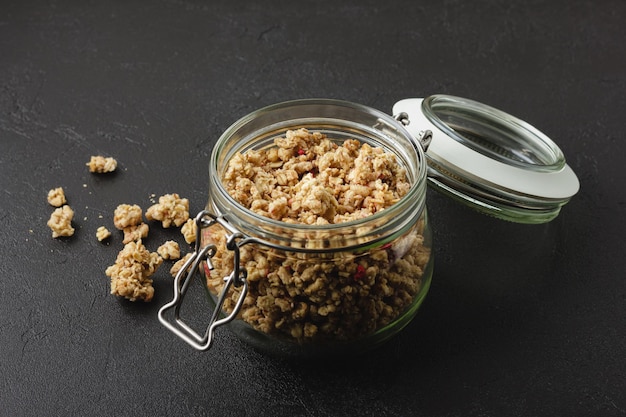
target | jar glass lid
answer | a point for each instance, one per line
(490, 160)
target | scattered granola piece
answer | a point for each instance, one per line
(56, 197)
(135, 232)
(189, 231)
(61, 221)
(179, 264)
(100, 164)
(130, 275)
(126, 215)
(102, 233)
(170, 209)
(169, 250)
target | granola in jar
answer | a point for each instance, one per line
(310, 179)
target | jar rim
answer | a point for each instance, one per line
(267, 122)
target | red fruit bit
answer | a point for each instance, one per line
(301, 151)
(360, 273)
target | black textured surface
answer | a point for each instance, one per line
(520, 321)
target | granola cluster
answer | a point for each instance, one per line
(60, 221)
(169, 250)
(171, 209)
(126, 215)
(101, 165)
(175, 269)
(102, 233)
(189, 231)
(307, 178)
(56, 197)
(129, 219)
(130, 275)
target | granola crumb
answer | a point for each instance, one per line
(56, 197)
(135, 232)
(189, 231)
(126, 215)
(60, 221)
(169, 250)
(100, 164)
(102, 233)
(171, 209)
(131, 272)
(179, 264)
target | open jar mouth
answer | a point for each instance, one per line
(493, 133)
(338, 120)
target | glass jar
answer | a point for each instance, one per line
(315, 289)
(301, 289)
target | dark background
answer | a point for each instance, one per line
(520, 321)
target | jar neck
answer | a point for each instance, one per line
(338, 120)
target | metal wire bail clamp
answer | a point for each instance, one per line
(184, 277)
